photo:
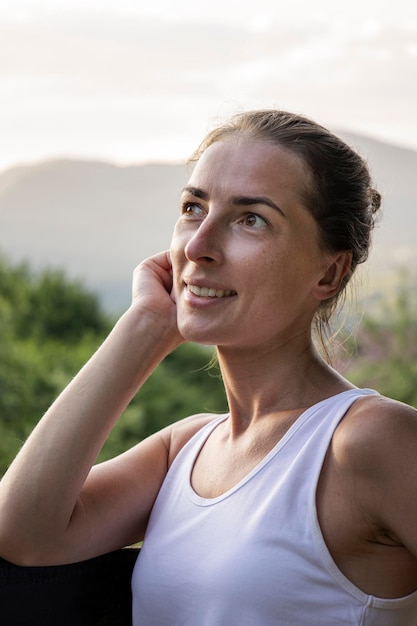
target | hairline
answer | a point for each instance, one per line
(309, 193)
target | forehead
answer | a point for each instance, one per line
(247, 165)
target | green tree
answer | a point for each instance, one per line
(47, 305)
(39, 351)
(50, 326)
(182, 385)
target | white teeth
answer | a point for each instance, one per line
(209, 292)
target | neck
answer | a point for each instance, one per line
(273, 381)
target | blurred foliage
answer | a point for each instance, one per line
(384, 352)
(50, 326)
(47, 305)
(182, 385)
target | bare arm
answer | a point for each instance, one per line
(397, 452)
(377, 447)
(52, 509)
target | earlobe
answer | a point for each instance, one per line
(329, 284)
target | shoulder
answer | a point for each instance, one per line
(375, 425)
(375, 449)
(179, 433)
(123, 490)
(378, 445)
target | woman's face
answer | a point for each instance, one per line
(245, 253)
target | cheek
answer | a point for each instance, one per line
(176, 252)
(179, 240)
(175, 248)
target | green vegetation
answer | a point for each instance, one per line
(50, 326)
(385, 348)
(182, 385)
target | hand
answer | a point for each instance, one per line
(152, 294)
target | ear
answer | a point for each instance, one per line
(336, 269)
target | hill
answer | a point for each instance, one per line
(97, 220)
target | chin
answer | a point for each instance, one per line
(201, 338)
(197, 335)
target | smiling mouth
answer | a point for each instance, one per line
(209, 292)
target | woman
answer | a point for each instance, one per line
(297, 507)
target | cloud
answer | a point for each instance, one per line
(103, 53)
(108, 81)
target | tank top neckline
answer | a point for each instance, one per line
(206, 431)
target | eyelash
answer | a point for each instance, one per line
(188, 205)
(255, 215)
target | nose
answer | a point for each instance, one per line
(207, 243)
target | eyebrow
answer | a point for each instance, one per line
(239, 200)
(198, 193)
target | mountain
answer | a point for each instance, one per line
(394, 170)
(96, 220)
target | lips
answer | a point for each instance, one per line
(210, 292)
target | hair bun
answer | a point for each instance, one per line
(376, 200)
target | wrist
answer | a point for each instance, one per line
(151, 331)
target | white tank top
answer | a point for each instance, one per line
(255, 555)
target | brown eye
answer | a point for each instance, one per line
(192, 209)
(250, 220)
(253, 220)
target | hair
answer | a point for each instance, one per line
(340, 197)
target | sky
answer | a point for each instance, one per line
(133, 81)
